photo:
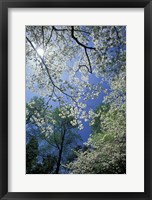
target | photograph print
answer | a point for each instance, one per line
(75, 99)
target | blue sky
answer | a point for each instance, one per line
(91, 103)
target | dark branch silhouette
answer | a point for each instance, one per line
(47, 70)
(49, 37)
(79, 43)
(85, 49)
(73, 36)
(77, 30)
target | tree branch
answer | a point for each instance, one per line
(43, 35)
(83, 66)
(88, 61)
(84, 46)
(47, 70)
(117, 32)
(56, 141)
(69, 30)
(50, 37)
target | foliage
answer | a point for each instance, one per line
(67, 68)
(31, 155)
(45, 167)
(71, 56)
(107, 144)
(56, 134)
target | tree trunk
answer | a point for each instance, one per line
(60, 154)
(59, 160)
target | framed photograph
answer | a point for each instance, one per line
(75, 99)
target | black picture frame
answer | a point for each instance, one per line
(4, 5)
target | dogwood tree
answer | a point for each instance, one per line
(68, 66)
(106, 153)
(56, 134)
(60, 61)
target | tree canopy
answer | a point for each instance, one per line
(78, 75)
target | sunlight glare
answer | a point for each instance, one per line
(40, 52)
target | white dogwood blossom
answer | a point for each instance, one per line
(61, 60)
